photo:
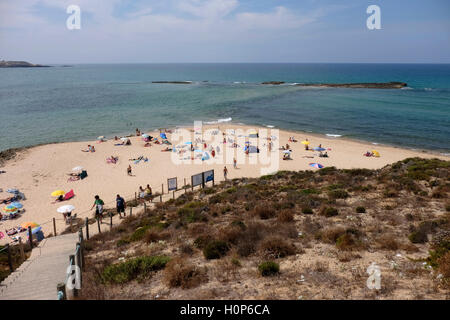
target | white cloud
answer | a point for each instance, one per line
(210, 9)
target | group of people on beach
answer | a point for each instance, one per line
(89, 149)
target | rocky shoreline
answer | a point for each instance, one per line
(368, 85)
(20, 64)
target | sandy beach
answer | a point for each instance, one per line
(40, 170)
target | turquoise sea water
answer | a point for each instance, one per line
(42, 105)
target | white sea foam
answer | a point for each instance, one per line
(219, 121)
(406, 88)
(270, 126)
(334, 135)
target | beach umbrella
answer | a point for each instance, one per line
(287, 151)
(9, 209)
(375, 153)
(101, 138)
(145, 135)
(79, 168)
(17, 205)
(305, 142)
(163, 135)
(58, 193)
(189, 142)
(12, 191)
(66, 209)
(29, 224)
(316, 165)
(124, 138)
(319, 149)
(36, 230)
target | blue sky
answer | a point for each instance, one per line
(120, 31)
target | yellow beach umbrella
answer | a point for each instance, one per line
(58, 193)
(29, 224)
(305, 142)
(375, 153)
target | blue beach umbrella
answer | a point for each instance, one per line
(145, 135)
(316, 165)
(319, 149)
(17, 205)
(12, 191)
(189, 142)
(163, 135)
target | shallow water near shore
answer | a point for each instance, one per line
(43, 105)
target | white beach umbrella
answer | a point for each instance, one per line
(101, 138)
(79, 168)
(124, 139)
(66, 209)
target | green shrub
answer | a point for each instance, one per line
(310, 191)
(132, 269)
(122, 242)
(329, 212)
(215, 249)
(360, 210)
(264, 212)
(269, 268)
(418, 236)
(338, 194)
(239, 223)
(307, 210)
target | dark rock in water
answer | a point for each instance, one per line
(9, 154)
(374, 85)
(19, 64)
(173, 82)
(274, 82)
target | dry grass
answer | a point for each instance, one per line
(179, 273)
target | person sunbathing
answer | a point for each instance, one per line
(88, 149)
(8, 200)
(166, 149)
(368, 154)
(112, 159)
(128, 143)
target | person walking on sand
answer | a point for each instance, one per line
(225, 172)
(234, 163)
(98, 204)
(120, 206)
(129, 170)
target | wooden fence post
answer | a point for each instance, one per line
(8, 249)
(22, 253)
(135, 196)
(173, 194)
(185, 190)
(110, 220)
(98, 224)
(61, 289)
(87, 228)
(54, 227)
(160, 198)
(131, 211)
(79, 259)
(162, 188)
(145, 208)
(30, 237)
